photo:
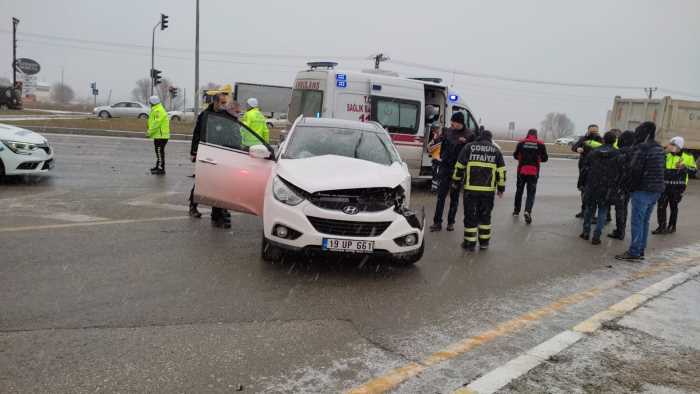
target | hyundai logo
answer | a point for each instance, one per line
(351, 210)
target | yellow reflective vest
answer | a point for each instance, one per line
(257, 122)
(674, 176)
(158, 123)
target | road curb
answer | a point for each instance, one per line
(519, 366)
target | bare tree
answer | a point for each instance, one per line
(557, 125)
(61, 93)
(142, 91)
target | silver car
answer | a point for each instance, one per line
(123, 109)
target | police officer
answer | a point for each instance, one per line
(159, 132)
(455, 138)
(256, 121)
(480, 169)
(219, 216)
(679, 165)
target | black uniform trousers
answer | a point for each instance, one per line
(531, 182)
(477, 217)
(444, 189)
(159, 145)
(671, 197)
(621, 204)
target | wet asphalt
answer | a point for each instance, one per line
(128, 294)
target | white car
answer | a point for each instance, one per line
(23, 152)
(279, 122)
(334, 186)
(177, 116)
(565, 141)
(124, 109)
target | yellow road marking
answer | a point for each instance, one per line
(395, 377)
(86, 224)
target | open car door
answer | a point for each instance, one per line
(233, 165)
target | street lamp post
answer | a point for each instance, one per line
(196, 63)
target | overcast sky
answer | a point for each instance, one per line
(628, 43)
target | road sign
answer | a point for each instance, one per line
(28, 84)
(28, 66)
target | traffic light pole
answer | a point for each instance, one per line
(196, 63)
(153, 53)
(15, 22)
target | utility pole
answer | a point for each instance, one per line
(196, 63)
(15, 22)
(650, 91)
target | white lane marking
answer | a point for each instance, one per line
(86, 224)
(73, 217)
(519, 366)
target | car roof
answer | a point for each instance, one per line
(341, 124)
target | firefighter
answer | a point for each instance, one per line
(256, 121)
(529, 153)
(159, 132)
(455, 138)
(480, 169)
(679, 165)
(219, 217)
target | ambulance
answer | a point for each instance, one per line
(404, 106)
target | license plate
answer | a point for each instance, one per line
(347, 245)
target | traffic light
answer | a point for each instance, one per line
(155, 74)
(173, 91)
(163, 21)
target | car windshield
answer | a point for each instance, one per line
(310, 141)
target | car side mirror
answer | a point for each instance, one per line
(259, 152)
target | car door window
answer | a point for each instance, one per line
(119, 105)
(224, 130)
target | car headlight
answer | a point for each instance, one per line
(284, 193)
(21, 148)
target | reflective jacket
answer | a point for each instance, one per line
(529, 153)
(158, 123)
(480, 167)
(675, 177)
(257, 122)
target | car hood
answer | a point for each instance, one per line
(331, 172)
(14, 133)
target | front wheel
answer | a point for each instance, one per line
(104, 115)
(270, 252)
(143, 116)
(175, 118)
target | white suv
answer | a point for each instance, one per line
(335, 186)
(23, 152)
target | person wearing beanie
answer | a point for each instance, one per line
(602, 168)
(453, 141)
(679, 165)
(530, 153)
(481, 171)
(646, 179)
(625, 144)
(256, 121)
(159, 132)
(583, 147)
